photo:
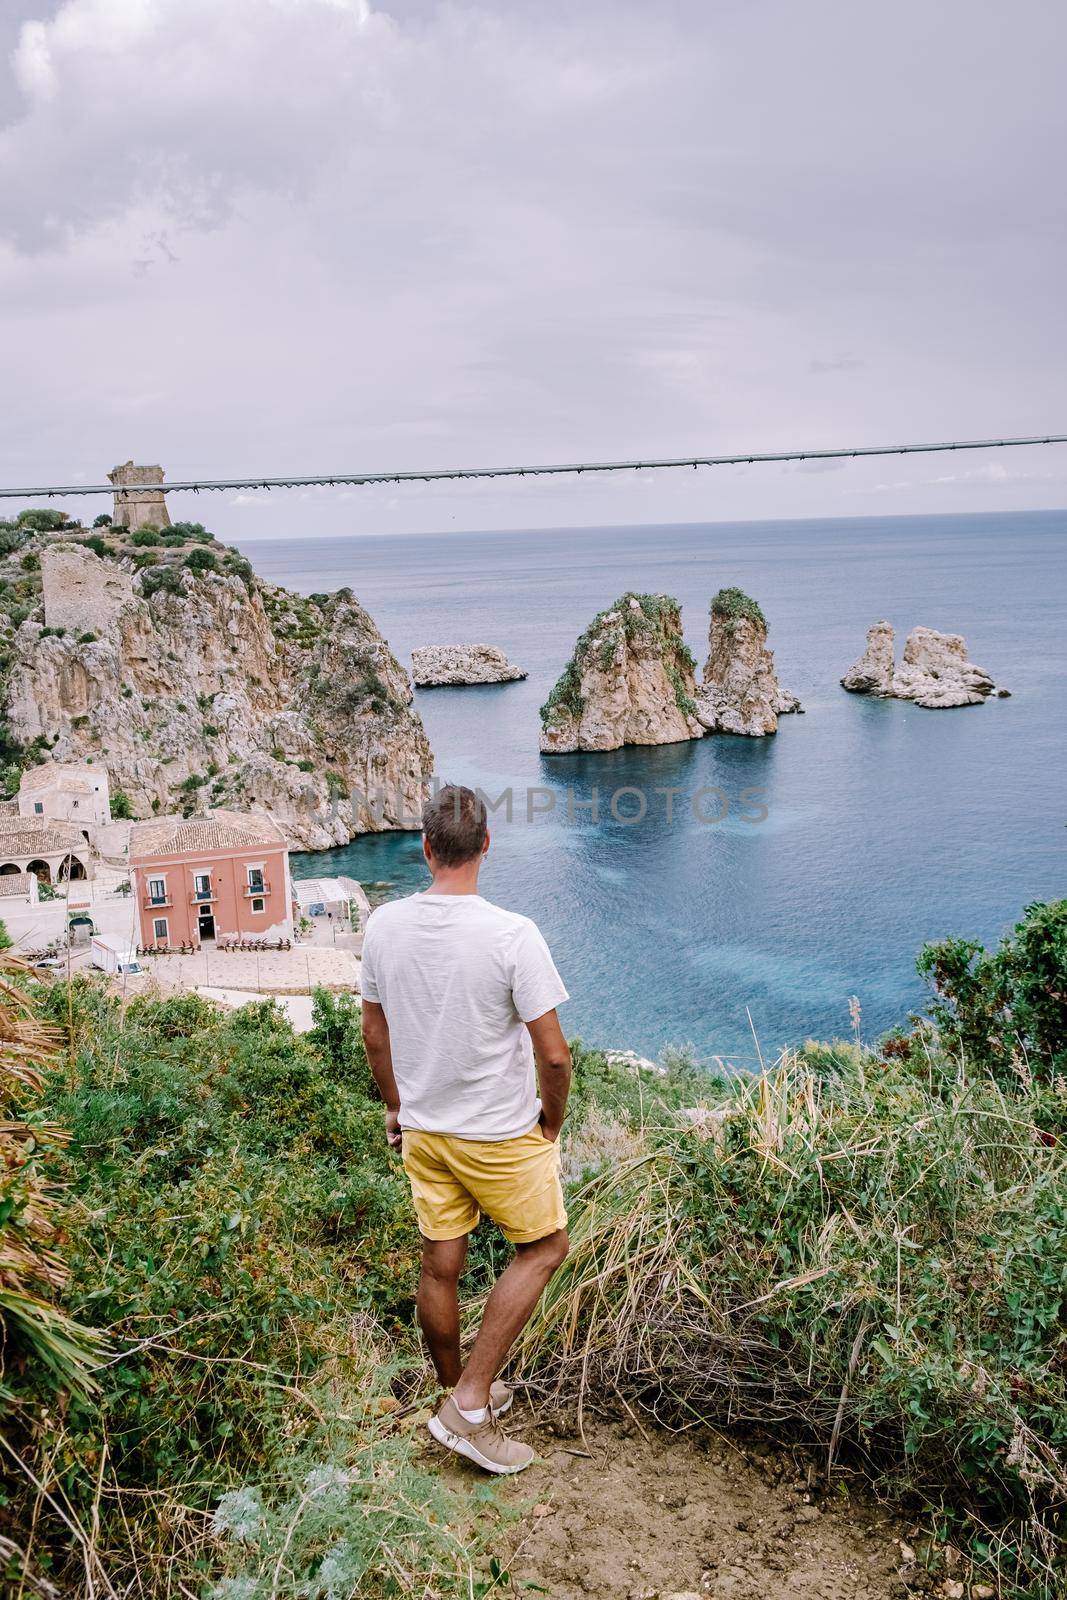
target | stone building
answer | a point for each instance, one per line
(218, 876)
(52, 851)
(65, 791)
(138, 497)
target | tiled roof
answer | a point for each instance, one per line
(14, 883)
(219, 830)
(53, 773)
(31, 836)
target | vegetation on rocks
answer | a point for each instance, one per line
(654, 616)
(732, 604)
(866, 1247)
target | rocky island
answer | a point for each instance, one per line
(935, 671)
(447, 665)
(162, 654)
(632, 678)
(740, 692)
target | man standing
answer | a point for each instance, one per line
(459, 1004)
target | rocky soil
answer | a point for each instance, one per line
(935, 671)
(202, 685)
(444, 665)
(623, 1514)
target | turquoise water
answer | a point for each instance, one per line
(885, 825)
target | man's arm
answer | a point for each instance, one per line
(376, 1043)
(553, 1057)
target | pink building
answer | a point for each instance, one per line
(198, 878)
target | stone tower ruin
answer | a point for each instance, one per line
(138, 499)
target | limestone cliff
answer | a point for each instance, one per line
(443, 665)
(740, 692)
(197, 683)
(630, 681)
(934, 672)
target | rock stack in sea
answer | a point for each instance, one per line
(444, 665)
(935, 671)
(630, 681)
(740, 692)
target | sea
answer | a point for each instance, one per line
(734, 895)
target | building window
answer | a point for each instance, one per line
(257, 905)
(157, 891)
(38, 808)
(160, 929)
(255, 879)
(202, 885)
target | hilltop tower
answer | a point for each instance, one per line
(138, 499)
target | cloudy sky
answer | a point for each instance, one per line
(259, 236)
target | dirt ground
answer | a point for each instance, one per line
(652, 1516)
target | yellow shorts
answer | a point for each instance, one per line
(513, 1181)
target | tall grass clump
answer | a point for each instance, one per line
(233, 1222)
(867, 1250)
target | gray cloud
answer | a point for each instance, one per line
(281, 235)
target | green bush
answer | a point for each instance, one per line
(192, 532)
(146, 536)
(121, 807)
(1006, 1008)
(201, 561)
(96, 544)
(103, 520)
(5, 937)
(165, 580)
(42, 521)
(12, 537)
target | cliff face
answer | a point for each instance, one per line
(209, 686)
(740, 692)
(934, 672)
(630, 681)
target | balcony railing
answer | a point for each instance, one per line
(253, 893)
(151, 901)
(201, 897)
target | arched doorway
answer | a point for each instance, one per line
(41, 871)
(73, 868)
(10, 869)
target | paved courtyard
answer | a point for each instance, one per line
(295, 971)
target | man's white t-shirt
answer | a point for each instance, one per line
(457, 978)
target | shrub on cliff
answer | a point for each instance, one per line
(199, 561)
(192, 532)
(731, 604)
(167, 580)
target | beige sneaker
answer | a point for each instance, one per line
(500, 1397)
(484, 1443)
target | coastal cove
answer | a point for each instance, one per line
(886, 825)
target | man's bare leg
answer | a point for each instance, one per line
(438, 1304)
(507, 1311)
